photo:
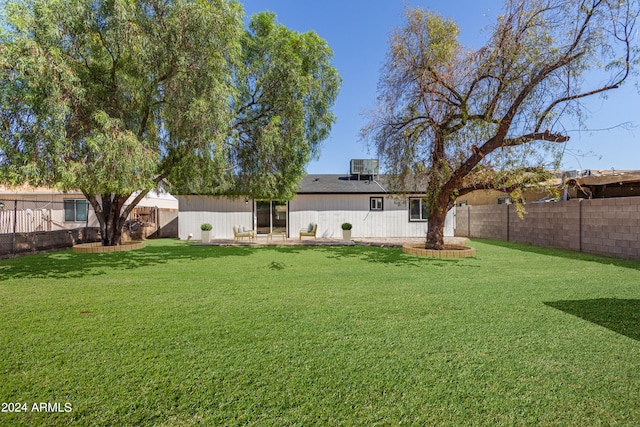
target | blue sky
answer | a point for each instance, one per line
(358, 30)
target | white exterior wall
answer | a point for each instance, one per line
(329, 211)
(221, 212)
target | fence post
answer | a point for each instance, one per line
(15, 228)
(508, 223)
(580, 225)
(86, 225)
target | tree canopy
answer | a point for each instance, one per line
(464, 119)
(113, 97)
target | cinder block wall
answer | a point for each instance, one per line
(28, 243)
(604, 226)
(554, 225)
(612, 227)
(462, 222)
(489, 221)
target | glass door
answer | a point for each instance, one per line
(279, 216)
(271, 216)
(263, 217)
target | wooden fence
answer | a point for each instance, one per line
(25, 220)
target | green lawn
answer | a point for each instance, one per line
(353, 336)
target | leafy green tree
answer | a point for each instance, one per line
(287, 87)
(458, 120)
(115, 97)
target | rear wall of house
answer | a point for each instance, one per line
(329, 211)
(222, 213)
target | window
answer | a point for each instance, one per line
(76, 210)
(375, 204)
(418, 210)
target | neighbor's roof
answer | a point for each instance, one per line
(25, 189)
(28, 190)
(344, 184)
(605, 178)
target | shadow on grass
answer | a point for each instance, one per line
(393, 256)
(375, 254)
(563, 253)
(67, 264)
(619, 315)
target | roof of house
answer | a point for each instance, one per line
(595, 178)
(25, 189)
(339, 184)
(28, 190)
(345, 184)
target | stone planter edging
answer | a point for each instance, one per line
(97, 248)
(449, 251)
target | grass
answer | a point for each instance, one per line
(298, 336)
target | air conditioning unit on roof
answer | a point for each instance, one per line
(364, 167)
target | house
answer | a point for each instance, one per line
(603, 184)
(573, 184)
(531, 194)
(327, 200)
(47, 209)
(497, 197)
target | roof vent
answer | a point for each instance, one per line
(368, 167)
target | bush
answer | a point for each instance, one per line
(206, 227)
(346, 226)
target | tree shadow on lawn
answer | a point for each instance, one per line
(68, 264)
(619, 315)
(563, 253)
(374, 254)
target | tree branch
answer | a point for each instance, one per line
(535, 136)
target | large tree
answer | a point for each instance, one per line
(458, 120)
(114, 97)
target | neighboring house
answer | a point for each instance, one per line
(574, 184)
(531, 195)
(604, 184)
(327, 200)
(46, 209)
(497, 197)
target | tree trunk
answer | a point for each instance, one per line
(111, 231)
(435, 232)
(110, 214)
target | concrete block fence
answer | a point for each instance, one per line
(602, 226)
(31, 243)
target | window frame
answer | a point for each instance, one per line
(372, 199)
(67, 205)
(423, 206)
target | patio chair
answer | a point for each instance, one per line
(239, 232)
(309, 231)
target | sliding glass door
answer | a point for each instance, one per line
(271, 216)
